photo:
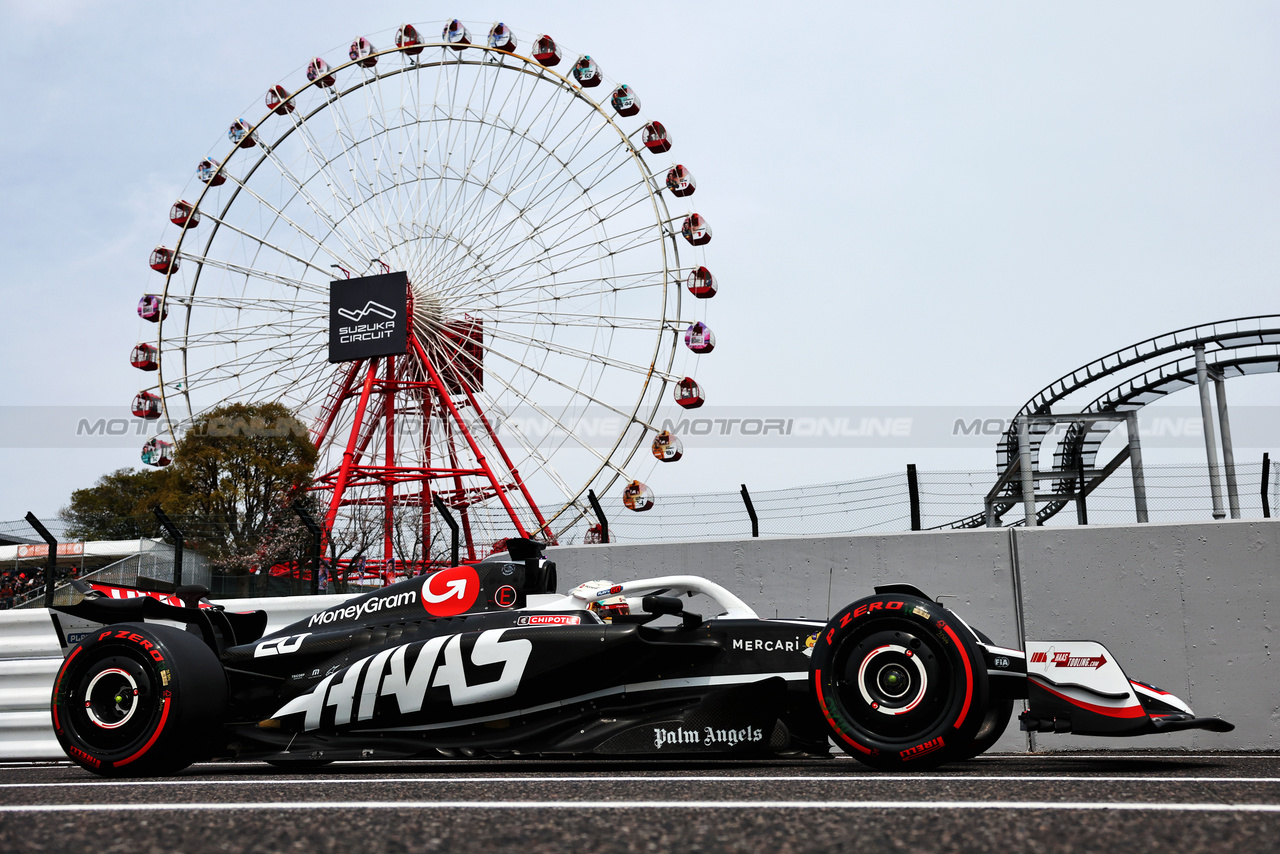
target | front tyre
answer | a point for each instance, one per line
(899, 682)
(138, 700)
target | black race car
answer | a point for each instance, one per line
(485, 660)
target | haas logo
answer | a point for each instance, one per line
(450, 591)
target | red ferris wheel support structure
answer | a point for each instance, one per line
(433, 382)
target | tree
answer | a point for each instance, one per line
(235, 472)
(237, 468)
(117, 507)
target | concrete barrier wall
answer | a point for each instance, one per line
(1189, 607)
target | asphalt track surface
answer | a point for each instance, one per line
(1063, 802)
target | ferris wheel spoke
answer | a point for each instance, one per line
(483, 148)
(290, 305)
(544, 257)
(530, 448)
(461, 356)
(576, 390)
(281, 216)
(518, 181)
(359, 181)
(564, 431)
(457, 135)
(576, 259)
(326, 172)
(264, 243)
(593, 287)
(272, 331)
(556, 318)
(527, 180)
(573, 352)
(232, 367)
(250, 272)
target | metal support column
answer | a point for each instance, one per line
(604, 522)
(51, 565)
(1210, 444)
(1228, 452)
(316, 537)
(178, 537)
(913, 493)
(1082, 507)
(751, 511)
(1266, 485)
(453, 528)
(1135, 468)
(1028, 479)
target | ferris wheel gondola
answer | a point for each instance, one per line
(544, 282)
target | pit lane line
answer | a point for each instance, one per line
(329, 806)
(610, 778)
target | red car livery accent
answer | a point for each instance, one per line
(1135, 711)
(1066, 659)
(968, 676)
(549, 620)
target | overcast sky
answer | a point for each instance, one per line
(913, 203)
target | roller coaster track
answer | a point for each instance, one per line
(1244, 345)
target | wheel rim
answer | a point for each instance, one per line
(111, 702)
(892, 683)
(111, 698)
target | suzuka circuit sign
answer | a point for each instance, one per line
(367, 317)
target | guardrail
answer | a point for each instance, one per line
(30, 657)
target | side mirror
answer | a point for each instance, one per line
(660, 605)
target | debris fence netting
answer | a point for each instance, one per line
(1174, 493)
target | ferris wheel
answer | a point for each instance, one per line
(548, 273)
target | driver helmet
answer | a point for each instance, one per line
(607, 609)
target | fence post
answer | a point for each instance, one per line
(751, 511)
(178, 536)
(604, 523)
(314, 528)
(1266, 485)
(913, 492)
(453, 528)
(1082, 508)
(51, 565)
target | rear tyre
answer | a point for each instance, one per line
(899, 682)
(139, 700)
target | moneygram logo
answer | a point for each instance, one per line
(450, 591)
(370, 307)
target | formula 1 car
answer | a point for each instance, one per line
(484, 660)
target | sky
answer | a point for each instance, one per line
(914, 204)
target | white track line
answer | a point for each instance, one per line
(329, 806)
(675, 778)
